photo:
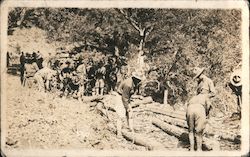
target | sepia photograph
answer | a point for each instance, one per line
(128, 78)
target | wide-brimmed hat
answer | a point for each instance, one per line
(198, 71)
(137, 75)
(235, 78)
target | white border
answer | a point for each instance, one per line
(138, 4)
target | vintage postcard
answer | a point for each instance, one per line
(124, 78)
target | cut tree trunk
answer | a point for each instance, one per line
(182, 135)
(87, 99)
(110, 105)
(140, 139)
(137, 102)
(175, 121)
(171, 113)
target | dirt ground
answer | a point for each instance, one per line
(45, 121)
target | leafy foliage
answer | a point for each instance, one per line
(175, 40)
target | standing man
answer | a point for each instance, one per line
(198, 108)
(22, 62)
(123, 107)
(100, 76)
(205, 84)
(81, 72)
(30, 68)
(39, 60)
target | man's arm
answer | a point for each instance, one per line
(212, 89)
(119, 89)
(208, 107)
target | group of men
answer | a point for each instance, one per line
(198, 107)
(74, 79)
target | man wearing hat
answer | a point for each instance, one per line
(198, 108)
(236, 86)
(205, 84)
(123, 107)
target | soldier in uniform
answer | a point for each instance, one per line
(22, 62)
(30, 68)
(197, 119)
(81, 72)
(39, 60)
(100, 76)
(66, 74)
(111, 75)
(44, 78)
(199, 107)
(205, 84)
(91, 76)
(123, 108)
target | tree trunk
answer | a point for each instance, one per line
(176, 122)
(140, 139)
(171, 113)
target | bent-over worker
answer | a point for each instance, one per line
(197, 112)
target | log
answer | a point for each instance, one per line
(140, 139)
(182, 135)
(175, 121)
(110, 105)
(145, 100)
(167, 112)
(87, 99)
(166, 108)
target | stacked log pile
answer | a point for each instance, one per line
(178, 118)
(173, 122)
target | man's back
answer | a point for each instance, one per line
(200, 100)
